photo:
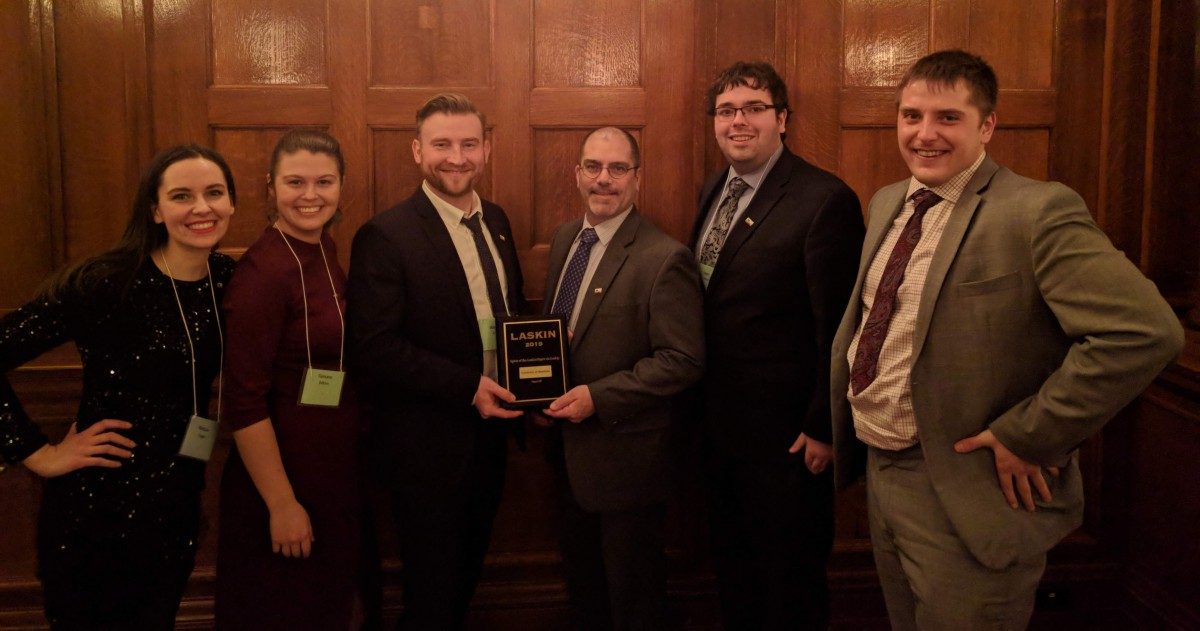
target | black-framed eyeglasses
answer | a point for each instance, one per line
(615, 171)
(725, 113)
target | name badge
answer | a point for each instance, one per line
(199, 438)
(487, 333)
(322, 387)
(706, 273)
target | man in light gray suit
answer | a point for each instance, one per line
(633, 299)
(992, 329)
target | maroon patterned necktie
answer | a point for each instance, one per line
(870, 342)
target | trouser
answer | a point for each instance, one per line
(930, 579)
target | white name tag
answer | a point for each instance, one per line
(322, 387)
(199, 438)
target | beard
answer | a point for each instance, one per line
(442, 184)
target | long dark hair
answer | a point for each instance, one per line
(142, 235)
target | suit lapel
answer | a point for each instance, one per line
(947, 248)
(889, 206)
(559, 247)
(714, 185)
(769, 192)
(614, 257)
(447, 254)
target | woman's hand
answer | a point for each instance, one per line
(291, 532)
(83, 449)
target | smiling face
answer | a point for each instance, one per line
(604, 196)
(939, 131)
(306, 189)
(193, 205)
(452, 151)
(748, 141)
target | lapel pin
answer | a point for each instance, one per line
(502, 238)
(749, 222)
(598, 290)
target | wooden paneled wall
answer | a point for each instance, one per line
(1099, 95)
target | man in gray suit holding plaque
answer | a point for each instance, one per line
(633, 301)
(992, 329)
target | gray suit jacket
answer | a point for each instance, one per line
(639, 341)
(1030, 323)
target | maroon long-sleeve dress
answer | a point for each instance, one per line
(265, 361)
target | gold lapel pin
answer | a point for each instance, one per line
(598, 290)
(502, 238)
(749, 222)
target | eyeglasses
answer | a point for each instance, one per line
(615, 171)
(753, 109)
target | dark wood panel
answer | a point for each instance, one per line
(882, 39)
(446, 43)
(1017, 38)
(394, 106)
(248, 151)
(1165, 496)
(27, 246)
(951, 24)
(1123, 124)
(269, 106)
(668, 135)
(268, 42)
(99, 168)
(587, 43)
(870, 160)
(1025, 151)
(587, 106)
(816, 77)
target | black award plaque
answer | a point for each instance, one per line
(531, 358)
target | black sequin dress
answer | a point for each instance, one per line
(117, 545)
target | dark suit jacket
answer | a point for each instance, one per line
(772, 305)
(413, 339)
(1030, 323)
(639, 341)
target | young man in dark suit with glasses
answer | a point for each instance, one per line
(777, 241)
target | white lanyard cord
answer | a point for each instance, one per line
(304, 296)
(191, 347)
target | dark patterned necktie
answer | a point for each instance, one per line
(870, 342)
(720, 228)
(490, 275)
(564, 302)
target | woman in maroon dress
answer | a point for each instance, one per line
(291, 503)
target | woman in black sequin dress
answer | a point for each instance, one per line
(121, 508)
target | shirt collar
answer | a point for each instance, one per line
(448, 211)
(606, 229)
(953, 188)
(755, 177)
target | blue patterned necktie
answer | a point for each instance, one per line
(564, 302)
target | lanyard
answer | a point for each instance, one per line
(191, 347)
(304, 296)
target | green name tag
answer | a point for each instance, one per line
(705, 273)
(199, 438)
(487, 333)
(322, 387)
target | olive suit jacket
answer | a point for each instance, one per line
(638, 342)
(1030, 323)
